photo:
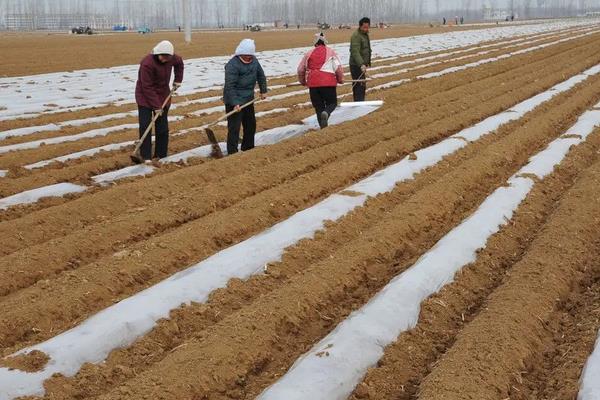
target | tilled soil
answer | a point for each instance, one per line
(518, 323)
(18, 264)
(490, 352)
(255, 346)
(570, 336)
(83, 274)
(461, 96)
(399, 373)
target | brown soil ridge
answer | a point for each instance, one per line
(491, 351)
(32, 362)
(186, 322)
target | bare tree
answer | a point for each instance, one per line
(211, 13)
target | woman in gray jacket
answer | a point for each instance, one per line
(242, 73)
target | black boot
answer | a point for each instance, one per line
(324, 119)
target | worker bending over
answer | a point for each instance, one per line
(152, 90)
(321, 70)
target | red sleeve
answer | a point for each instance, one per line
(149, 89)
(339, 74)
(302, 69)
(178, 69)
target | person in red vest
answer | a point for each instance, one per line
(152, 90)
(321, 70)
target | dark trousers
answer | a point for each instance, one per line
(245, 118)
(324, 99)
(359, 90)
(162, 133)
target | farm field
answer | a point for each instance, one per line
(63, 52)
(442, 245)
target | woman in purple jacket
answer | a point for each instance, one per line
(151, 91)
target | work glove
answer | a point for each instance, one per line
(363, 69)
(158, 112)
(176, 85)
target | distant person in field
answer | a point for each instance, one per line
(360, 58)
(152, 90)
(321, 70)
(242, 73)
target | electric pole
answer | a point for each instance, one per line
(187, 20)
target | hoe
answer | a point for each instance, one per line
(354, 82)
(216, 149)
(136, 156)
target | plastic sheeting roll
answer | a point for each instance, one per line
(375, 103)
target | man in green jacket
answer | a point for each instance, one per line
(360, 58)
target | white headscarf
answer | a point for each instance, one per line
(247, 47)
(164, 47)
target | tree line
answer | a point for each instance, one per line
(236, 13)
